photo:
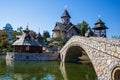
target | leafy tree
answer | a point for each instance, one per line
(62, 43)
(4, 43)
(8, 27)
(3, 35)
(46, 35)
(4, 50)
(116, 37)
(19, 29)
(83, 27)
(14, 34)
(59, 35)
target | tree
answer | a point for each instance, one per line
(19, 29)
(83, 27)
(3, 38)
(46, 35)
(14, 34)
(116, 37)
(3, 35)
(59, 35)
(8, 28)
(4, 43)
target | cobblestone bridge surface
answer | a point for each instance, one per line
(104, 54)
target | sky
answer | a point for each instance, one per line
(41, 15)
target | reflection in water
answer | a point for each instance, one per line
(63, 70)
(39, 70)
(76, 71)
(32, 70)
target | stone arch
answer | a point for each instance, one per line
(74, 53)
(82, 47)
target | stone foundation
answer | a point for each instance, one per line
(31, 56)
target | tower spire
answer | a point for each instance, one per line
(39, 30)
(26, 30)
(65, 17)
(27, 25)
(65, 14)
(99, 16)
(65, 6)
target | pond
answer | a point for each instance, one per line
(45, 70)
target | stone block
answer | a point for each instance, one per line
(118, 49)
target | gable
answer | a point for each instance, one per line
(73, 28)
(59, 27)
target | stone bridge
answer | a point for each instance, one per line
(104, 54)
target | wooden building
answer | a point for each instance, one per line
(26, 43)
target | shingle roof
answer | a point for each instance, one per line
(26, 39)
(99, 21)
(59, 27)
(62, 27)
(23, 41)
(65, 14)
(100, 25)
(68, 25)
(71, 27)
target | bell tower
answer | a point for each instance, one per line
(100, 28)
(65, 17)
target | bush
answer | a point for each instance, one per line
(62, 42)
(10, 49)
(4, 50)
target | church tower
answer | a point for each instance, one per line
(65, 17)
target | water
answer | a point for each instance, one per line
(44, 70)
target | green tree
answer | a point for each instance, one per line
(46, 35)
(19, 29)
(4, 43)
(83, 27)
(3, 35)
(116, 37)
(14, 34)
(59, 35)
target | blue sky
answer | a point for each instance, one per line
(44, 14)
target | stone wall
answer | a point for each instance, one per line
(103, 53)
(31, 56)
